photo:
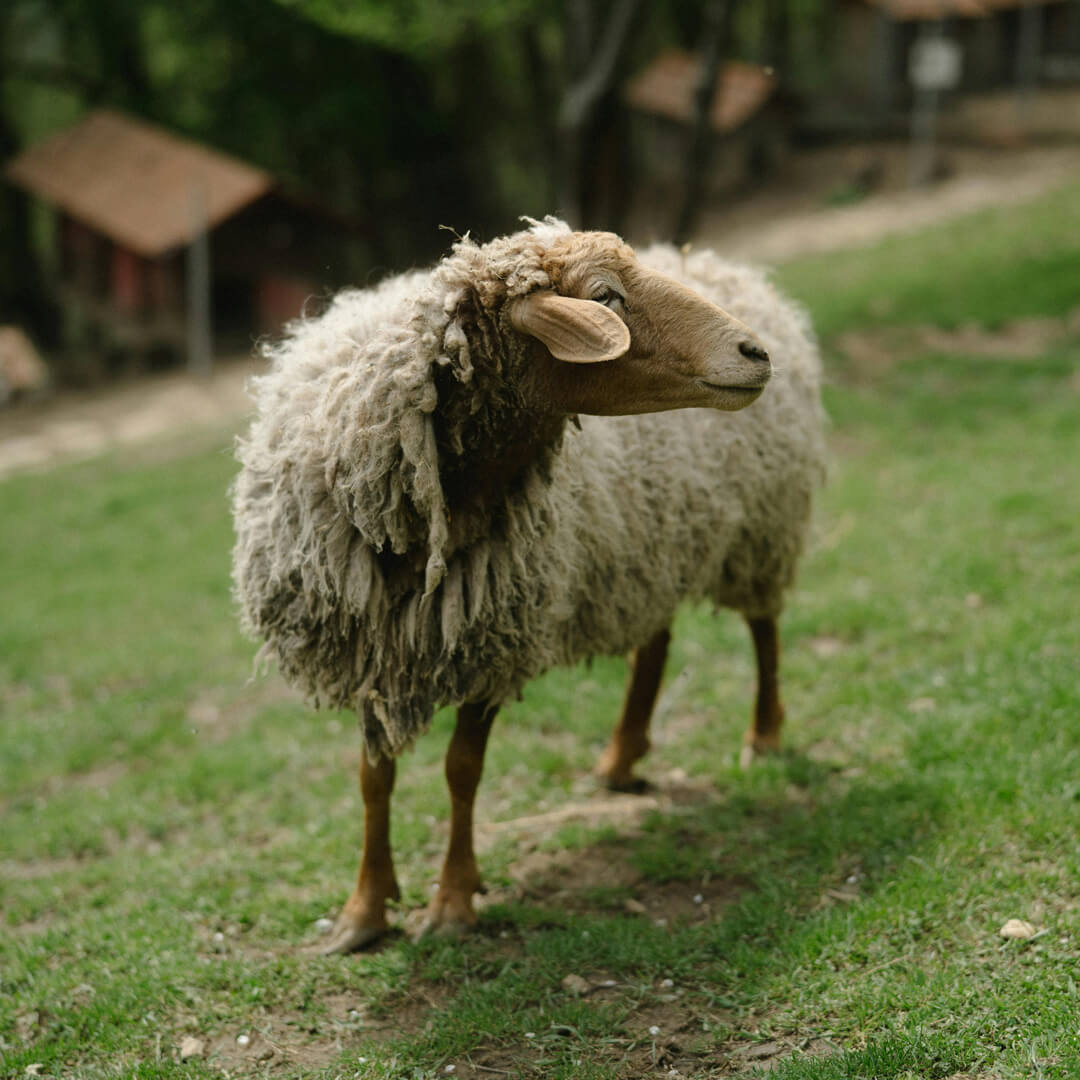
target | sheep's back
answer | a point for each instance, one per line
(701, 503)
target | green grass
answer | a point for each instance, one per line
(987, 268)
(171, 830)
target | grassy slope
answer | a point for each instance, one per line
(169, 829)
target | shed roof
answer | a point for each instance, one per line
(145, 188)
(923, 10)
(666, 88)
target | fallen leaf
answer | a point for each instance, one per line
(635, 907)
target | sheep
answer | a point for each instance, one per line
(465, 476)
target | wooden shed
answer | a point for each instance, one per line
(138, 208)
(742, 118)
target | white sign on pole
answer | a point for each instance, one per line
(934, 63)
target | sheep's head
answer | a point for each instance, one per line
(613, 337)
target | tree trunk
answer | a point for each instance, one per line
(543, 122)
(22, 293)
(592, 56)
(775, 50)
(713, 42)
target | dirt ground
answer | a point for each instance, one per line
(798, 213)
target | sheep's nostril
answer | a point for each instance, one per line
(753, 352)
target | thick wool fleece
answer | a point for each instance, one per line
(346, 560)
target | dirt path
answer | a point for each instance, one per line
(77, 425)
(777, 223)
(773, 227)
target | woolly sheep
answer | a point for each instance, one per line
(466, 476)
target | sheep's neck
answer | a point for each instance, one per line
(495, 461)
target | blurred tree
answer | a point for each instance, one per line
(715, 34)
(400, 114)
(422, 29)
(595, 44)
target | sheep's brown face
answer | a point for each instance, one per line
(627, 339)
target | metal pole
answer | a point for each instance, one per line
(199, 340)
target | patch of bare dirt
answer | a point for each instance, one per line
(287, 1039)
(12, 870)
(272, 1045)
(599, 877)
(874, 353)
(217, 713)
(284, 1039)
(751, 1058)
(668, 1033)
(80, 424)
(623, 811)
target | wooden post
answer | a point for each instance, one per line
(1028, 51)
(881, 65)
(199, 340)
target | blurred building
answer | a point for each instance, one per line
(136, 205)
(1003, 46)
(747, 124)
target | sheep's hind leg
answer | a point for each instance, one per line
(630, 739)
(763, 735)
(450, 913)
(363, 919)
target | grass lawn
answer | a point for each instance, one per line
(172, 830)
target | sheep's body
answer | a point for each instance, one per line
(369, 592)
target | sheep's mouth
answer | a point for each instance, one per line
(747, 391)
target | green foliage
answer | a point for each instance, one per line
(416, 27)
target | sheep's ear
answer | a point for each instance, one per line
(578, 331)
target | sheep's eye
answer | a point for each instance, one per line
(609, 297)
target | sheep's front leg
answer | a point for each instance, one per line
(450, 912)
(763, 735)
(630, 739)
(363, 918)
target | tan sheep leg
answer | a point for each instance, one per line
(763, 735)
(450, 912)
(363, 918)
(630, 739)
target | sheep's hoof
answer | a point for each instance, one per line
(445, 929)
(757, 746)
(449, 915)
(628, 785)
(346, 937)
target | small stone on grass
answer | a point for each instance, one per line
(191, 1048)
(1017, 928)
